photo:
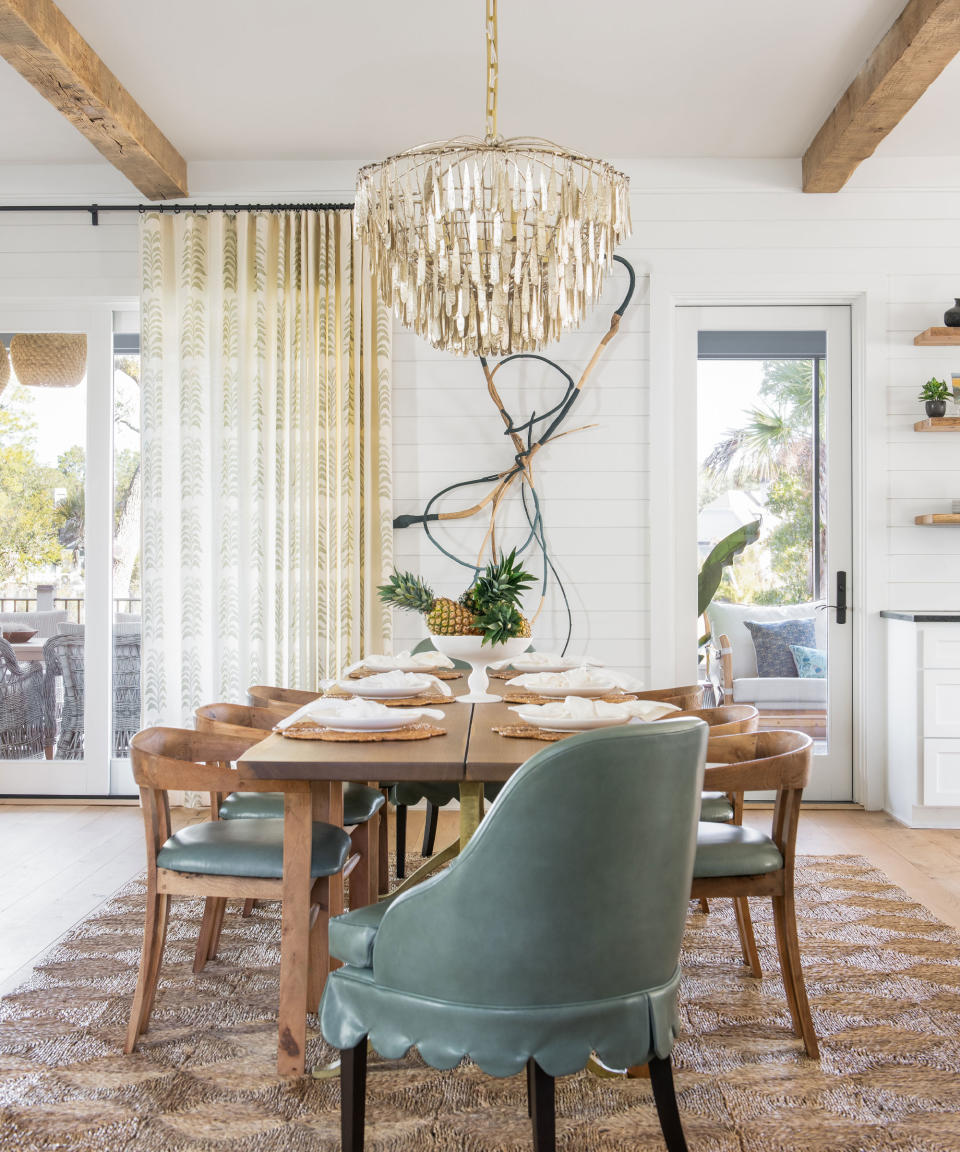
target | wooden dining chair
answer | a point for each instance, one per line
(268, 696)
(218, 858)
(685, 697)
(724, 720)
(741, 862)
(362, 805)
(400, 796)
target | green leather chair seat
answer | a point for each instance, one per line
(249, 848)
(729, 850)
(477, 961)
(360, 803)
(715, 807)
(352, 935)
(438, 792)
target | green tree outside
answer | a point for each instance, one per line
(773, 449)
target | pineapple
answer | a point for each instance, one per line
(490, 607)
(502, 581)
(448, 618)
(444, 617)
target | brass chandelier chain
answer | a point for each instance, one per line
(493, 70)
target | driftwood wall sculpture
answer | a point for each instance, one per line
(528, 437)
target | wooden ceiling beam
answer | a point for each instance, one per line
(46, 49)
(922, 41)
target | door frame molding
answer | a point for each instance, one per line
(867, 299)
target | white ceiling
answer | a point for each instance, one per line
(357, 79)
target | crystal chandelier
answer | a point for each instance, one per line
(489, 247)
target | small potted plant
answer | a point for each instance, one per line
(935, 395)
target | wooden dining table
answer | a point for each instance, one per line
(469, 753)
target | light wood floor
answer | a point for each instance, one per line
(60, 862)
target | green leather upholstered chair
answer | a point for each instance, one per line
(360, 805)
(401, 795)
(554, 934)
(218, 858)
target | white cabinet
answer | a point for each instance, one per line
(923, 719)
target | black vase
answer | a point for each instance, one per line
(952, 315)
(935, 407)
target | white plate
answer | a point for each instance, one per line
(389, 725)
(520, 665)
(593, 692)
(397, 719)
(371, 690)
(562, 724)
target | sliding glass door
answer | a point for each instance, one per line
(56, 533)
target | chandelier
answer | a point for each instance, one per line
(490, 247)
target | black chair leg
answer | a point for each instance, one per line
(353, 1096)
(401, 841)
(430, 829)
(665, 1098)
(542, 1109)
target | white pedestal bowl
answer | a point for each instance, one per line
(480, 657)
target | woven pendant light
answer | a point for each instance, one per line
(49, 359)
(4, 369)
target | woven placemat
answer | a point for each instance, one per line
(307, 731)
(529, 732)
(518, 697)
(502, 673)
(440, 673)
(420, 701)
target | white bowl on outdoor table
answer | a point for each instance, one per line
(393, 685)
(358, 716)
(577, 682)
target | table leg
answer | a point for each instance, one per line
(328, 806)
(471, 813)
(471, 809)
(295, 932)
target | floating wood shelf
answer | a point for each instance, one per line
(938, 518)
(938, 336)
(938, 424)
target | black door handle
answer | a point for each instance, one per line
(841, 597)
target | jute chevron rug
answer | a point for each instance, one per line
(883, 976)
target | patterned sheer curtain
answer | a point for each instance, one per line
(266, 455)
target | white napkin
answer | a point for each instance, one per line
(648, 709)
(325, 710)
(574, 708)
(579, 708)
(541, 659)
(413, 682)
(582, 677)
(626, 682)
(406, 661)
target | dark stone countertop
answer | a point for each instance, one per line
(930, 616)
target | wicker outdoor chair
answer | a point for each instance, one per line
(22, 711)
(63, 657)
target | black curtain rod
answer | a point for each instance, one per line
(94, 210)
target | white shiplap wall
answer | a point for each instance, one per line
(701, 220)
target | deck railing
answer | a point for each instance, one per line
(73, 604)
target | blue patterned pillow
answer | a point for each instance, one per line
(811, 662)
(772, 643)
